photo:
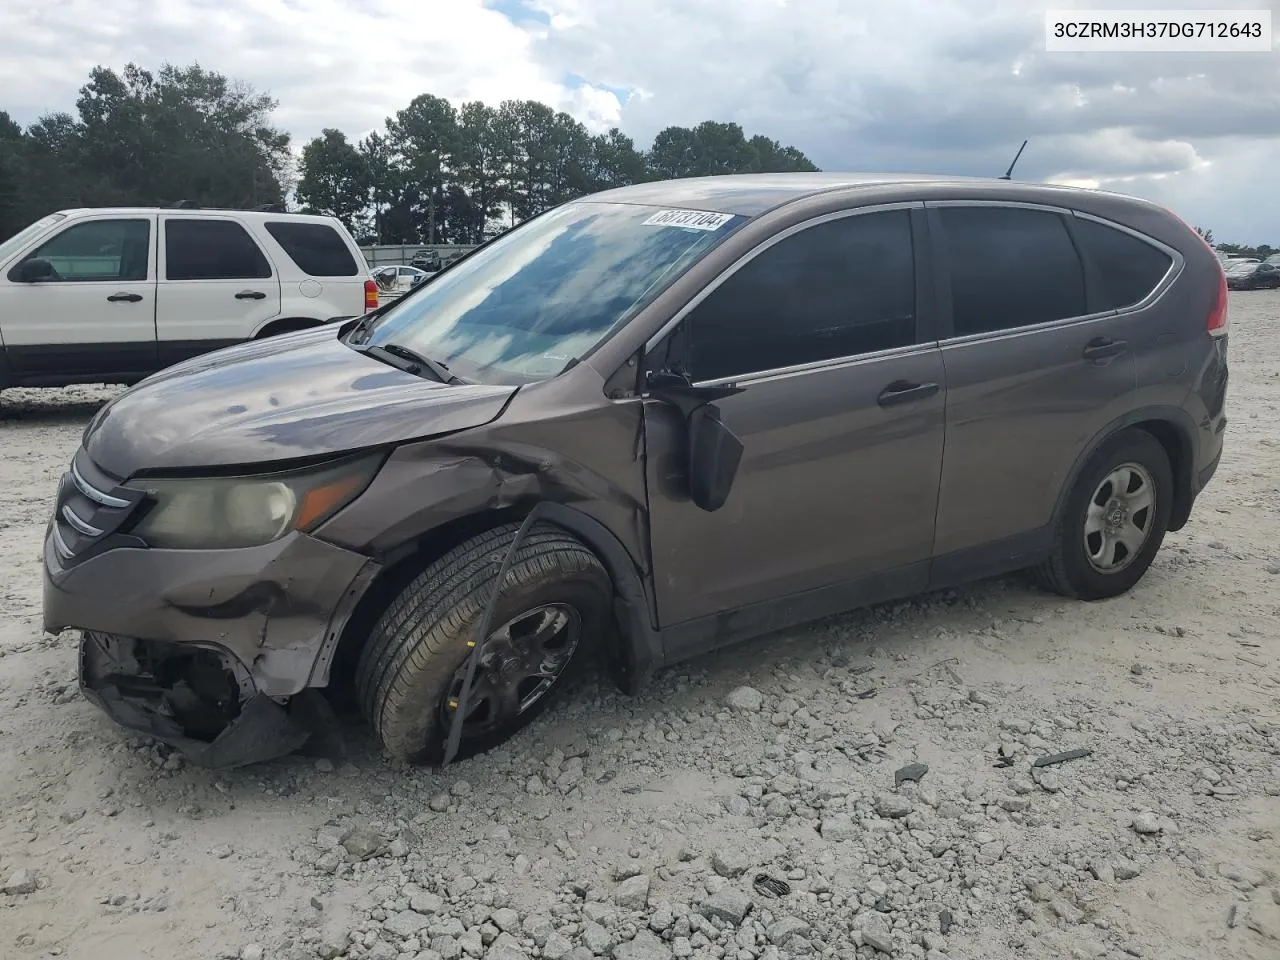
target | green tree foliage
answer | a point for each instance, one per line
(184, 133)
(335, 179)
(434, 173)
(443, 175)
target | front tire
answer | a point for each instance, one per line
(1114, 519)
(555, 602)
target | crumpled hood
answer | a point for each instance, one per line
(283, 398)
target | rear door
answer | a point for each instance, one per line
(1037, 364)
(826, 331)
(216, 288)
(96, 318)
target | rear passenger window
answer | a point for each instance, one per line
(212, 250)
(838, 289)
(1010, 267)
(316, 248)
(1128, 267)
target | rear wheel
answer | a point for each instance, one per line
(554, 605)
(1114, 520)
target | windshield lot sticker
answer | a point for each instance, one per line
(692, 219)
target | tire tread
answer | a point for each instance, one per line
(429, 619)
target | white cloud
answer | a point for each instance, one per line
(330, 63)
(927, 85)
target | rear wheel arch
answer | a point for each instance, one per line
(635, 651)
(286, 325)
(1174, 429)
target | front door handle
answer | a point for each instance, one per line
(124, 298)
(1101, 348)
(904, 391)
(251, 295)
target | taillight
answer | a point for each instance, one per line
(370, 296)
(1217, 322)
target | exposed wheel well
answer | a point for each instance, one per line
(427, 549)
(1177, 445)
(393, 578)
(287, 325)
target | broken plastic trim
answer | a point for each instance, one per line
(182, 710)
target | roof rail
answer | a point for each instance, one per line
(184, 205)
(271, 208)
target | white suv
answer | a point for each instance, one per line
(111, 295)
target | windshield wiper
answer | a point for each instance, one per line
(362, 329)
(411, 361)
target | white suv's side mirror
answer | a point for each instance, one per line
(33, 271)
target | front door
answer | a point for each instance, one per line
(841, 416)
(218, 287)
(95, 317)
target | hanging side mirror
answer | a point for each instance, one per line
(712, 451)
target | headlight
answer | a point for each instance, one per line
(215, 513)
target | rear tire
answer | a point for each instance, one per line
(555, 602)
(1114, 519)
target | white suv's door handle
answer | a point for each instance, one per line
(251, 295)
(124, 297)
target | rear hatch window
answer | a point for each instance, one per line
(317, 248)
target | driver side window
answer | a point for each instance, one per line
(99, 250)
(838, 289)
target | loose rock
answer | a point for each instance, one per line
(746, 700)
(728, 904)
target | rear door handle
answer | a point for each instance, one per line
(251, 295)
(904, 391)
(1100, 348)
(124, 298)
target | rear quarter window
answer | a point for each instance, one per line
(316, 248)
(1129, 268)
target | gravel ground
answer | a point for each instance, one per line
(635, 828)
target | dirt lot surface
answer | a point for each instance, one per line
(634, 828)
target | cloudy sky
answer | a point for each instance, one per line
(932, 86)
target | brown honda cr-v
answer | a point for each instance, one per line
(735, 403)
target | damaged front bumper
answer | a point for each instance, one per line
(189, 697)
(208, 650)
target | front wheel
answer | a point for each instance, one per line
(1114, 519)
(554, 604)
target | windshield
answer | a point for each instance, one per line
(19, 239)
(545, 294)
(1241, 267)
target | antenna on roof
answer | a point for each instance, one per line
(1008, 174)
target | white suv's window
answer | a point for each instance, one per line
(212, 250)
(316, 248)
(102, 250)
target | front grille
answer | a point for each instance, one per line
(90, 511)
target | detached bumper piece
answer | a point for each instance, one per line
(197, 699)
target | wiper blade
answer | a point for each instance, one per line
(413, 362)
(361, 329)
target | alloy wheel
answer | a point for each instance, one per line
(519, 663)
(1119, 518)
